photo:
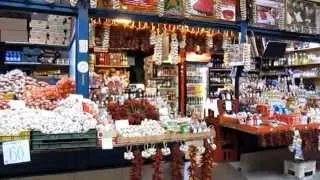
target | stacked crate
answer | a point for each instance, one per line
(50, 29)
(59, 30)
(40, 141)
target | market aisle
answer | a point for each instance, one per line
(221, 172)
(225, 171)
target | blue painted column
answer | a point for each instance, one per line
(244, 31)
(82, 34)
(243, 39)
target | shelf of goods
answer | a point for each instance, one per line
(229, 25)
(281, 34)
(151, 17)
(39, 6)
(196, 87)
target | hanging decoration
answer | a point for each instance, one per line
(188, 8)
(106, 37)
(207, 161)
(128, 155)
(177, 163)
(218, 8)
(136, 168)
(165, 150)
(158, 48)
(93, 3)
(92, 32)
(243, 9)
(157, 173)
(209, 41)
(193, 163)
(174, 49)
(183, 43)
(116, 4)
(161, 7)
(245, 52)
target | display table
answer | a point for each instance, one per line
(279, 136)
(263, 129)
(170, 137)
(66, 160)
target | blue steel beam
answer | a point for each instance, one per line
(111, 13)
(82, 34)
(285, 35)
(32, 6)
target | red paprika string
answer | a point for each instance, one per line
(136, 167)
(193, 163)
(207, 162)
(157, 174)
(177, 163)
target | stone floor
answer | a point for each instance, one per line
(265, 165)
(224, 171)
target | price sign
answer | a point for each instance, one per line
(107, 139)
(121, 124)
(16, 152)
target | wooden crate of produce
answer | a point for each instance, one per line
(40, 141)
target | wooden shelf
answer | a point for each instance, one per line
(109, 66)
(35, 64)
(308, 77)
(296, 65)
(170, 137)
(34, 45)
(220, 69)
(304, 50)
(219, 85)
(167, 88)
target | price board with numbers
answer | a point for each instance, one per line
(16, 152)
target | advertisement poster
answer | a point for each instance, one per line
(301, 16)
(269, 13)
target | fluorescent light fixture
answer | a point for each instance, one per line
(122, 21)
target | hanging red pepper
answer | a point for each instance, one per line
(136, 168)
(157, 174)
(177, 163)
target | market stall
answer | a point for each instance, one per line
(108, 83)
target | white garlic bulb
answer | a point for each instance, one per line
(93, 3)
(174, 49)
(161, 7)
(73, 2)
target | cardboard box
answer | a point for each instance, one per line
(38, 24)
(14, 36)
(13, 24)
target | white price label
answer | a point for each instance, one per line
(228, 105)
(83, 46)
(107, 143)
(16, 152)
(107, 139)
(121, 124)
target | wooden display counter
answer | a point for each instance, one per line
(169, 137)
(272, 137)
(263, 129)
